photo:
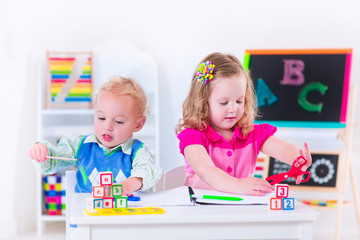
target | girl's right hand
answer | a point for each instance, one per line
(255, 186)
(38, 152)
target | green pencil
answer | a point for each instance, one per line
(227, 198)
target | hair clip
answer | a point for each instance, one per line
(204, 72)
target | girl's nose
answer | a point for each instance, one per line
(232, 107)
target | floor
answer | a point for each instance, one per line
(324, 228)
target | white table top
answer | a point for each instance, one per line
(195, 214)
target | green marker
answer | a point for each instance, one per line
(222, 198)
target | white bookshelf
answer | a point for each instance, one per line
(116, 57)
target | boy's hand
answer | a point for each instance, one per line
(38, 152)
(255, 186)
(307, 156)
(131, 185)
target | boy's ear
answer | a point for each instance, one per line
(140, 123)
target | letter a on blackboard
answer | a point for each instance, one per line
(264, 94)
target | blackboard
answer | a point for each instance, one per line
(323, 170)
(301, 88)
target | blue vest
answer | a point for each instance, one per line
(94, 160)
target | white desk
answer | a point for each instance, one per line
(197, 222)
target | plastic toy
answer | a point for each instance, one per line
(294, 172)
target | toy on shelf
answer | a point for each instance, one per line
(54, 194)
(294, 172)
(69, 80)
(282, 201)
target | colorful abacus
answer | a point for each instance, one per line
(282, 201)
(107, 194)
(70, 83)
(54, 192)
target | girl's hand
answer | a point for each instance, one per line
(254, 186)
(307, 156)
(38, 152)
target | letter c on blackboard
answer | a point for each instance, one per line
(304, 103)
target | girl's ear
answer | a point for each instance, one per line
(140, 123)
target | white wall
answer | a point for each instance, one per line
(177, 33)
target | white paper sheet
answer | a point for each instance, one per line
(246, 199)
(173, 197)
(180, 196)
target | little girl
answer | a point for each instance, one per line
(217, 135)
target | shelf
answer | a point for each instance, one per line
(55, 123)
(52, 112)
(53, 218)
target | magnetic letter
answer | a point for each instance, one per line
(263, 93)
(304, 103)
(293, 72)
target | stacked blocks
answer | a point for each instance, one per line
(282, 201)
(54, 193)
(108, 194)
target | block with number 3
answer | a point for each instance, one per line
(282, 190)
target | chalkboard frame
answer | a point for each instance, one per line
(296, 122)
(302, 186)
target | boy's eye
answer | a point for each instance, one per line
(101, 118)
(119, 122)
(239, 102)
(223, 103)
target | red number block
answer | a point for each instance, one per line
(276, 203)
(282, 190)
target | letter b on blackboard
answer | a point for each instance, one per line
(293, 75)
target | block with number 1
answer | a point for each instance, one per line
(276, 203)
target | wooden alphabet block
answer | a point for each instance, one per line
(276, 203)
(282, 190)
(116, 190)
(98, 191)
(288, 203)
(121, 202)
(106, 178)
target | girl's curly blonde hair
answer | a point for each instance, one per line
(196, 107)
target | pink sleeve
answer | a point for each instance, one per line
(188, 137)
(263, 132)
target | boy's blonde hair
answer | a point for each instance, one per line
(119, 86)
(196, 107)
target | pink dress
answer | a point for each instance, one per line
(237, 157)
